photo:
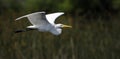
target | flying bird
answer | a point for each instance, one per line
(44, 22)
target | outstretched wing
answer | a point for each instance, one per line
(37, 18)
(21, 17)
(52, 17)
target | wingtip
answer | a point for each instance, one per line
(21, 17)
(16, 19)
(62, 12)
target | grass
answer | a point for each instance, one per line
(88, 39)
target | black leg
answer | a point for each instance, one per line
(27, 29)
(18, 31)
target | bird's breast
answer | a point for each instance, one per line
(44, 28)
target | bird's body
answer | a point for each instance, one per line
(45, 22)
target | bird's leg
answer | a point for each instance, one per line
(18, 31)
(23, 30)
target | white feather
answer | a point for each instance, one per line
(43, 22)
(52, 17)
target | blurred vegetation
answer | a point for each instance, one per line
(60, 5)
(95, 33)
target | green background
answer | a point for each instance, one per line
(95, 33)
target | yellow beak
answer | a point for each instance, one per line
(67, 26)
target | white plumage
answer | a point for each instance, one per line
(45, 22)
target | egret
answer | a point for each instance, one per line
(44, 22)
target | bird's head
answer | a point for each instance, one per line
(57, 30)
(63, 26)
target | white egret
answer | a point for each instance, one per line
(44, 22)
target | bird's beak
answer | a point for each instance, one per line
(66, 26)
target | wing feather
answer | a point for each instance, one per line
(52, 17)
(37, 18)
(21, 17)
